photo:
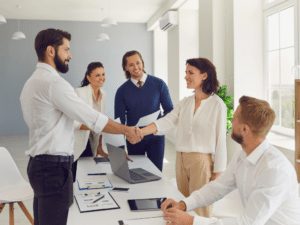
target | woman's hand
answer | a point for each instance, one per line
(214, 176)
(100, 151)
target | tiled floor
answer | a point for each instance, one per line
(17, 145)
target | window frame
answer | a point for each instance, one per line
(273, 8)
(272, 4)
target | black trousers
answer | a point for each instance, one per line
(53, 190)
(154, 147)
(86, 153)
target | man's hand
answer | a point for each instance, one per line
(138, 131)
(169, 203)
(174, 216)
(132, 135)
(214, 176)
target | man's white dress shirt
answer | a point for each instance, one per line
(50, 106)
(267, 184)
(143, 79)
(204, 131)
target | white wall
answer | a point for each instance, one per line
(160, 52)
(248, 49)
(188, 45)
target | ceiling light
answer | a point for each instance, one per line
(108, 22)
(2, 20)
(103, 37)
(18, 35)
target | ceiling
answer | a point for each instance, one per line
(137, 11)
(132, 11)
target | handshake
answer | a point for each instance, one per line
(134, 135)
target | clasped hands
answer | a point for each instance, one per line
(134, 135)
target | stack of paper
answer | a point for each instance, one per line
(93, 182)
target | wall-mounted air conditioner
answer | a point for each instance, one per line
(169, 20)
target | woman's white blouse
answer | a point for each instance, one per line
(203, 132)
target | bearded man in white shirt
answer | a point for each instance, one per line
(266, 180)
(50, 106)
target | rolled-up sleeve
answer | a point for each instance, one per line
(65, 99)
(169, 121)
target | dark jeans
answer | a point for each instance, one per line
(155, 148)
(53, 190)
(86, 153)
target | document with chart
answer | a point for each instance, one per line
(95, 202)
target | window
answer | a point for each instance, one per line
(280, 57)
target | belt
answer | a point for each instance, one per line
(54, 158)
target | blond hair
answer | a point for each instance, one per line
(257, 114)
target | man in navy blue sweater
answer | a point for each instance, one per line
(140, 96)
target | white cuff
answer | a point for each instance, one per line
(190, 203)
(101, 122)
(77, 125)
(199, 220)
(158, 129)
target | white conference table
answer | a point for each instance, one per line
(153, 189)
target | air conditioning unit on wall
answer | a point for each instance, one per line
(168, 21)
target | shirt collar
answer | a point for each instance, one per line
(47, 67)
(258, 152)
(143, 79)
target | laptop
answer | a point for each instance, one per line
(119, 166)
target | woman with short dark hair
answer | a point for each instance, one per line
(201, 130)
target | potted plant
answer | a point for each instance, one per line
(228, 100)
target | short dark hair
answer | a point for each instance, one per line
(124, 61)
(52, 37)
(211, 84)
(90, 68)
(257, 114)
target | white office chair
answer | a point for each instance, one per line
(13, 187)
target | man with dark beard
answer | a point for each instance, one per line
(266, 180)
(50, 105)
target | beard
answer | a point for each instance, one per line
(236, 137)
(60, 65)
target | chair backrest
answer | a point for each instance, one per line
(9, 172)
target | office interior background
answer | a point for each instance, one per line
(253, 44)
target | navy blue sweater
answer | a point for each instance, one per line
(132, 103)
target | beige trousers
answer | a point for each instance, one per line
(193, 171)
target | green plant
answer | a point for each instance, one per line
(228, 100)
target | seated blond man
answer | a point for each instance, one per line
(266, 180)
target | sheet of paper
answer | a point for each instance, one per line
(93, 182)
(114, 139)
(146, 221)
(146, 120)
(96, 201)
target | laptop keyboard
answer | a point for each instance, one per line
(135, 176)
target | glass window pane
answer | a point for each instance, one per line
(273, 31)
(287, 62)
(274, 102)
(273, 69)
(288, 108)
(287, 27)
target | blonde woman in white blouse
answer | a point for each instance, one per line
(87, 142)
(201, 130)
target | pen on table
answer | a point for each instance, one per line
(90, 174)
(98, 199)
(95, 187)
